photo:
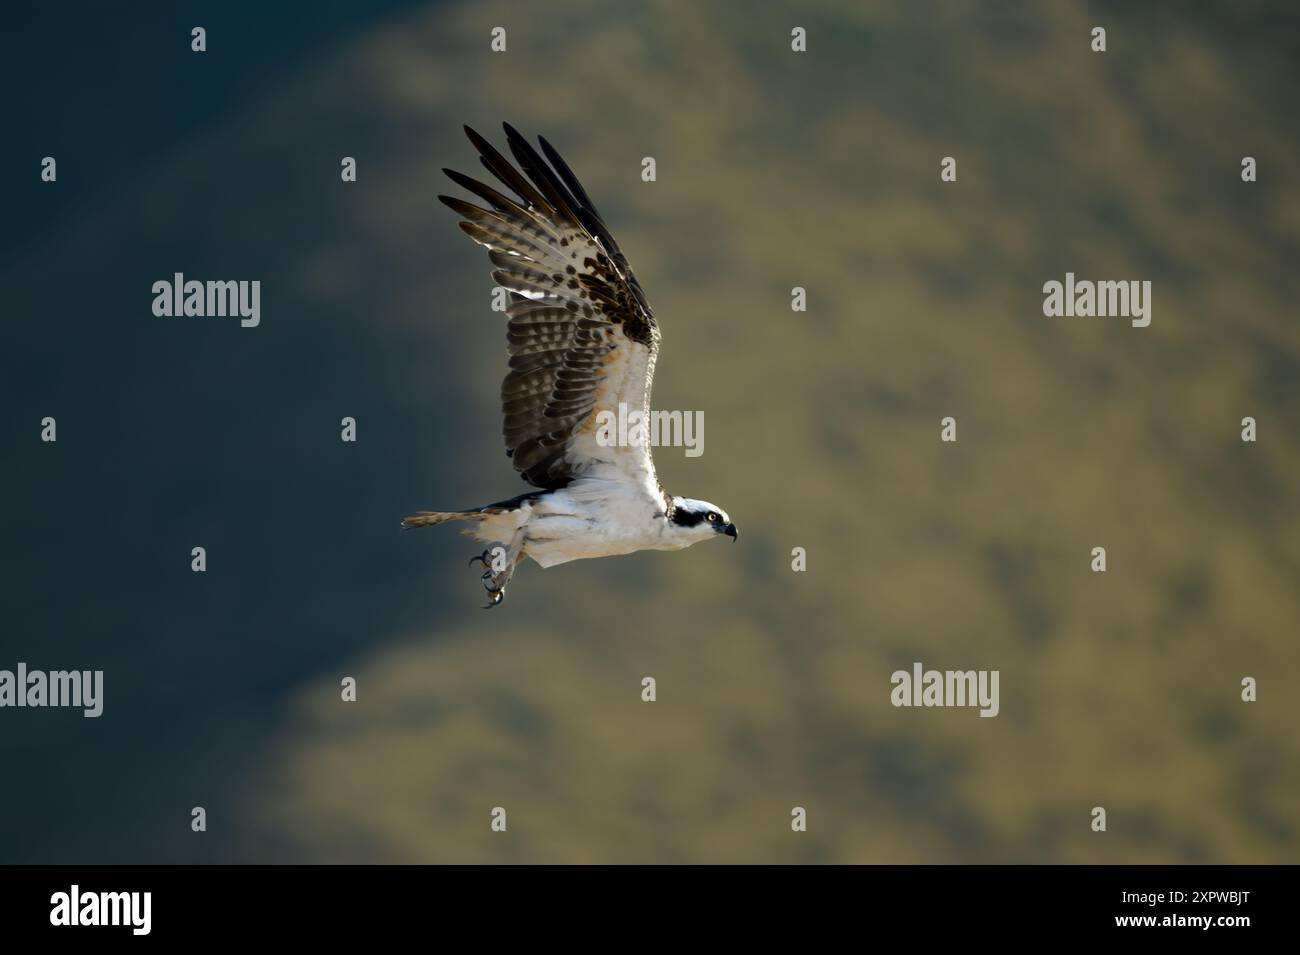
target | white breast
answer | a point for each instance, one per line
(594, 516)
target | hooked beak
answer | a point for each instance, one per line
(730, 531)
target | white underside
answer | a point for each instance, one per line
(593, 517)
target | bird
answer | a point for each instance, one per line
(582, 340)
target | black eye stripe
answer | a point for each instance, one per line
(685, 518)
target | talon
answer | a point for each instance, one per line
(494, 581)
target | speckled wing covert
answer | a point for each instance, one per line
(582, 338)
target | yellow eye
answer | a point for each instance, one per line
(712, 517)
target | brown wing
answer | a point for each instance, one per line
(581, 337)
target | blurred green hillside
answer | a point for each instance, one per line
(776, 170)
(821, 170)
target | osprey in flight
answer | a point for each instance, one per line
(582, 340)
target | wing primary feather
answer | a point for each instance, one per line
(588, 215)
(485, 192)
(507, 208)
(590, 218)
(567, 175)
(541, 175)
(500, 167)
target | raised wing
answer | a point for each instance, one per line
(582, 338)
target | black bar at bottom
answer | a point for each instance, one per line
(336, 903)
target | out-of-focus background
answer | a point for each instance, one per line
(775, 170)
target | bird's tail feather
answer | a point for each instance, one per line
(429, 518)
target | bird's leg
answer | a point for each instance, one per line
(499, 565)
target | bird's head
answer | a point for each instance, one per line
(693, 521)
